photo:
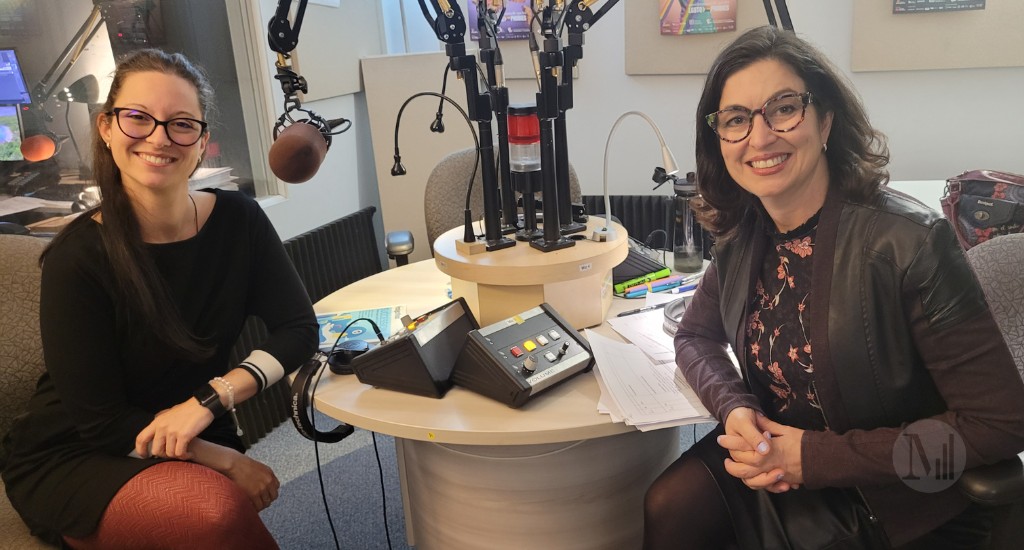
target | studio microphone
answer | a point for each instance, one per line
(300, 147)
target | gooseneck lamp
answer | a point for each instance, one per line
(607, 233)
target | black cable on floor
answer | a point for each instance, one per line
(316, 451)
(383, 494)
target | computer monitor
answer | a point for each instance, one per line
(12, 82)
(10, 134)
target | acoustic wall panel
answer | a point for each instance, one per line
(884, 41)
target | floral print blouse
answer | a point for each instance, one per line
(778, 341)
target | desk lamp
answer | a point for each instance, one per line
(84, 90)
(607, 233)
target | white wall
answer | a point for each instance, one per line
(939, 123)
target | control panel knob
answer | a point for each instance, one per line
(530, 365)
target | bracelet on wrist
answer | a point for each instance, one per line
(230, 390)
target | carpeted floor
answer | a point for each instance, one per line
(352, 484)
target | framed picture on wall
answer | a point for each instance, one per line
(697, 16)
(515, 24)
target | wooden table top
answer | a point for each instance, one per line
(567, 412)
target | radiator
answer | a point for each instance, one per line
(326, 259)
(639, 214)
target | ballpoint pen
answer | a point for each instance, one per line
(641, 310)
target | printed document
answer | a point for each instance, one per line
(643, 393)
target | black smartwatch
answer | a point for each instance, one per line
(209, 398)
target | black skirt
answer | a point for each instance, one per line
(832, 518)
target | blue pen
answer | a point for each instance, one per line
(642, 291)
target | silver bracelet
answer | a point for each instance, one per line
(231, 400)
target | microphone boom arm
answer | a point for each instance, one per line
(449, 25)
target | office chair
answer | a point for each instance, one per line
(998, 263)
(445, 196)
(21, 358)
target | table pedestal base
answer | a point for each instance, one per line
(582, 302)
(585, 495)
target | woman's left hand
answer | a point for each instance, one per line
(172, 430)
(754, 468)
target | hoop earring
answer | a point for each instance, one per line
(108, 145)
(824, 147)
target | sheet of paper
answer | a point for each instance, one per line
(645, 392)
(645, 330)
(605, 404)
(14, 205)
(658, 298)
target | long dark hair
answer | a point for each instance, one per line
(857, 153)
(143, 292)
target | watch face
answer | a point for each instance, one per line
(208, 397)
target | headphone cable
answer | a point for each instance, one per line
(316, 451)
(383, 493)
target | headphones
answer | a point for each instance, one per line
(339, 361)
(304, 379)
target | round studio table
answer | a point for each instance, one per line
(554, 474)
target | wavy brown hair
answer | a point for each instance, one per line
(857, 153)
(143, 293)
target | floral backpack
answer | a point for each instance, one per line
(984, 204)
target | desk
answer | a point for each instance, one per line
(476, 474)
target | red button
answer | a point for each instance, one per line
(516, 352)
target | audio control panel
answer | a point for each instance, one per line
(519, 357)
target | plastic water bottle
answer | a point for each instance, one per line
(687, 239)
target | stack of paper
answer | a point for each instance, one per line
(209, 178)
(642, 392)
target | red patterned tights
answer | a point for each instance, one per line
(179, 505)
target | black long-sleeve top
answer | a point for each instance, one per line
(68, 454)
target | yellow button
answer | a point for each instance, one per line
(529, 345)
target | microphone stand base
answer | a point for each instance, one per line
(471, 249)
(526, 235)
(500, 243)
(572, 227)
(551, 246)
(604, 234)
(508, 229)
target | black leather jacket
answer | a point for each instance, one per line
(901, 332)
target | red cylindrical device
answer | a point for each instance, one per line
(523, 138)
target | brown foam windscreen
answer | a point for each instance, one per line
(37, 148)
(298, 152)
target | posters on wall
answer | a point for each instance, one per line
(924, 6)
(514, 26)
(697, 16)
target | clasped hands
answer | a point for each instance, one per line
(764, 454)
(172, 430)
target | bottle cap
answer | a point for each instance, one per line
(687, 187)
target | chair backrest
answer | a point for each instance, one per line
(445, 195)
(999, 265)
(21, 347)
